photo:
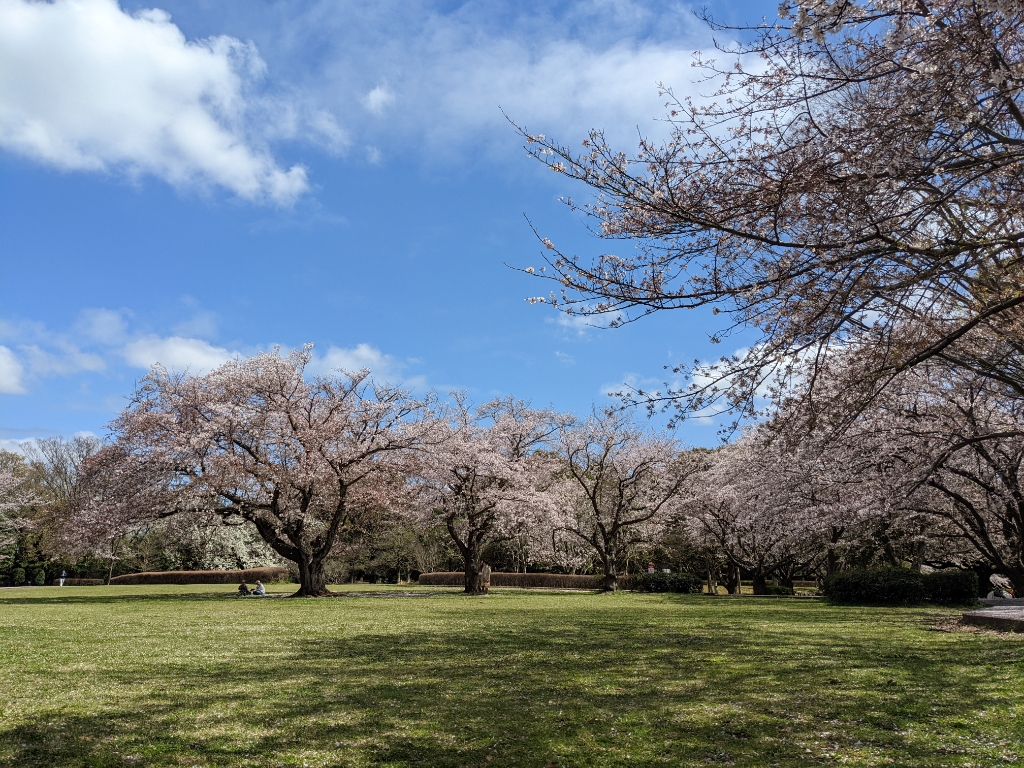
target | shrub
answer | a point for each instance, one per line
(39, 578)
(522, 580)
(203, 577)
(772, 589)
(18, 576)
(952, 587)
(685, 583)
(80, 582)
(876, 586)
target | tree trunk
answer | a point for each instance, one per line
(831, 562)
(760, 583)
(478, 576)
(732, 580)
(610, 582)
(312, 578)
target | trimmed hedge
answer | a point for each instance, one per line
(952, 587)
(79, 582)
(203, 577)
(876, 586)
(772, 589)
(899, 586)
(18, 577)
(522, 580)
(685, 583)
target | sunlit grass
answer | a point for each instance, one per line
(177, 675)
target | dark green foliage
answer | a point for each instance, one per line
(39, 578)
(875, 586)
(772, 589)
(952, 587)
(522, 580)
(685, 583)
(18, 577)
(900, 586)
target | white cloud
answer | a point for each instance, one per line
(631, 382)
(86, 86)
(579, 323)
(382, 367)
(356, 359)
(11, 372)
(177, 353)
(379, 99)
(69, 359)
(106, 326)
(202, 323)
(557, 69)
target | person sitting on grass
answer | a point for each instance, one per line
(260, 590)
(243, 590)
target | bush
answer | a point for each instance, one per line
(39, 578)
(952, 587)
(772, 589)
(522, 580)
(80, 582)
(685, 583)
(203, 577)
(18, 577)
(876, 586)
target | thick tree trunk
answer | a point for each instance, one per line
(760, 583)
(312, 578)
(478, 576)
(610, 581)
(732, 579)
(831, 562)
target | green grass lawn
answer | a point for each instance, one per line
(188, 676)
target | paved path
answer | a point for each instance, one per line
(1006, 616)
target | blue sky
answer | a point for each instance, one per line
(188, 181)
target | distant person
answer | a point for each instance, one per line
(260, 590)
(243, 590)
(63, 575)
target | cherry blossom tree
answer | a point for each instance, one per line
(257, 441)
(15, 495)
(958, 450)
(925, 472)
(858, 170)
(483, 478)
(617, 485)
(752, 505)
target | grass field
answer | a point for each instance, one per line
(187, 676)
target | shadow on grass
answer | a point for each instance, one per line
(678, 683)
(119, 598)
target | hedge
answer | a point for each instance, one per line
(203, 577)
(952, 587)
(79, 582)
(685, 583)
(900, 586)
(524, 580)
